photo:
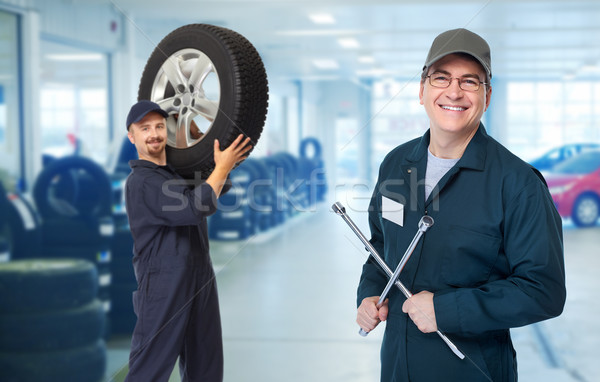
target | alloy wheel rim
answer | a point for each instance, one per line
(187, 86)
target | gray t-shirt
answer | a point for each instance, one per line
(436, 169)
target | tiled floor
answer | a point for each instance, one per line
(288, 307)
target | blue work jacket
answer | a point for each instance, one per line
(493, 259)
(167, 215)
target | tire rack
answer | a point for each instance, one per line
(268, 191)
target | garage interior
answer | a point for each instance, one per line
(343, 79)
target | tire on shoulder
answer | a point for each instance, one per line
(243, 91)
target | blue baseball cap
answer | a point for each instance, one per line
(141, 109)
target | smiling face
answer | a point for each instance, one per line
(150, 138)
(453, 112)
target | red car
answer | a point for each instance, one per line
(575, 188)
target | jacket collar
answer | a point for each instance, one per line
(147, 164)
(142, 163)
(473, 157)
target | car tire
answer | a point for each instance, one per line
(311, 146)
(3, 205)
(86, 363)
(231, 66)
(38, 285)
(23, 230)
(52, 330)
(73, 187)
(586, 210)
(121, 315)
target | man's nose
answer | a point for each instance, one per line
(454, 89)
(152, 131)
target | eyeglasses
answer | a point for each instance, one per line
(470, 84)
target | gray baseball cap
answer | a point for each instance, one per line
(460, 41)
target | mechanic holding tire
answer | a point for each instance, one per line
(176, 301)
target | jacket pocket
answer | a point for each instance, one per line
(469, 257)
(157, 284)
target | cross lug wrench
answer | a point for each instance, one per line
(340, 210)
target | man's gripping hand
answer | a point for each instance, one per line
(225, 160)
(369, 315)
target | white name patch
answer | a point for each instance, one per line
(392, 211)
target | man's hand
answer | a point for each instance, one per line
(235, 153)
(421, 311)
(369, 315)
(225, 160)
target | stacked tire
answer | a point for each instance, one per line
(4, 247)
(122, 316)
(74, 198)
(276, 188)
(4, 251)
(260, 195)
(51, 321)
(23, 228)
(232, 220)
(278, 205)
(294, 186)
(314, 167)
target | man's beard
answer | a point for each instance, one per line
(155, 151)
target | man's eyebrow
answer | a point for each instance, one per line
(149, 124)
(468, 75)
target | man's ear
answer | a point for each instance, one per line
(130, 136)
(488, 98)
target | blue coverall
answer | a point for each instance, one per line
(493, 259)
(176, 301)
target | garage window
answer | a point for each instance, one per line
(74, 107)
(10, 115)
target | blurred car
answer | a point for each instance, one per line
(575, 188)
(562, 153)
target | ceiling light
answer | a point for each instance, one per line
(326, 64)
(590, 68)
(75, 57)
(322, 18)
(372, 73)
(349, 43)
(366, 59)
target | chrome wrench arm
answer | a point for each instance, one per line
(339, 209)
(424, 224)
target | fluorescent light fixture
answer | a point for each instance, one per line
(322, 18)
(590, 68)
(372, 73)
(322, 32)
(75, 57)
(326, 64)
(349, 43)
(366, 59)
